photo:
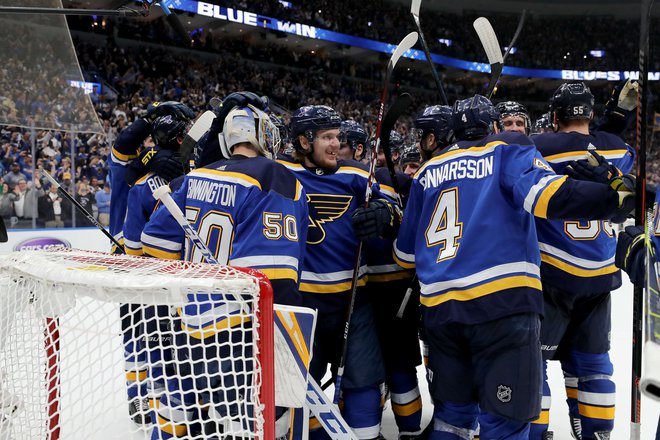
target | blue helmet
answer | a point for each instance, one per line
(354, 134)
(167, 130)
(410, 154)
(542, 123)
(435, 119)
(572, 101)
(308, 120)
(473, 118)
(513, 108)
(396, 141)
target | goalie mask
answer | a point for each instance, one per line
(249, 124)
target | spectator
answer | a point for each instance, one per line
(6, 202)
(14, 176)
(52, 209)
(103, 204)
(85, 199)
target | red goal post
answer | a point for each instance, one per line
(62, 356)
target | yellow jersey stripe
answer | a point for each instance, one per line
(379, 278)
(130, 251)
(402, 263)
(123, 157)
(295, 335)
(482, 290)
(544, 418)
(163, 255)
(136, 375)
(582, 154)
(596, 412)
(279, 273)
(330, 288)
(541, 208)
(407, 409)
(571, 393)
(577, 271)
(250, 180)
(466, 151)
(171, 428)
(212, 329)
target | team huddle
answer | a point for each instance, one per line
(500, 228)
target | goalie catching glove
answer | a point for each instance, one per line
(380, 219)
(630, 254)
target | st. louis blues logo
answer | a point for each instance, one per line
(324, 208)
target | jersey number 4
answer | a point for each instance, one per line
(444, 228)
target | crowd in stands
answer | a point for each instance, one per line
(137, 74)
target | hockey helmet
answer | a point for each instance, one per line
(308, 120)
(473, 118)
(166, 131)
(396, 141)
(435, 119)
(410, 154)
(542, 123)
(512, 108)
(572, 101)
(354, 134)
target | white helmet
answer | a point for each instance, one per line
(249, 124)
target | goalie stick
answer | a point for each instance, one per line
(201, 126)
(492, 48)
(414, 10)
(406, 44)
(640, 214)
(80, 208)
(324, 411)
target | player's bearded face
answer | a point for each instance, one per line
(326, 147)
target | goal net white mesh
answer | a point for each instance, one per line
(102, 346)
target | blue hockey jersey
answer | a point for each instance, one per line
(141, 204)
(468, 227)
(381, 266)
(578, 256)
(332, 196)
(250, 212)
(124, 150)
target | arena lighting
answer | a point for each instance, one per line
(255, 19)
(514, 49)
(286, 4)
(446, 41)
(597, 53)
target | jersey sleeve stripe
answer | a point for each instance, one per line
(168, 245)
(407, 261)
(330, 288)
(279, 273)
(535, 190)
(122, 158)
(130, 251)
(541, 208)
(582, 154)
(341, 275)
(383, 277)
(238, 178)
(481, 290)
(143, 179)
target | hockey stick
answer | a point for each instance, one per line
(650, 381)
(318, 402)
(201, 126)
(414, 10)
(492, 48)
(407, 43)
(640, 214)
(80, 208)
(398, 107)
(3, 231)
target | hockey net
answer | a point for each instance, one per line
(85, 335)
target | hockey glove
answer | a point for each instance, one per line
(625, 187)
(238, 99)
(594, 168)
(165, 163)
(624, 96)
(380, 219)
(630, 254)
(174, 108)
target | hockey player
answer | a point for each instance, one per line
(396, 145)
(578, 272)
(542, 124)
(130, 159)
(256, 216)
(481, 315)
(432, 130)
(513, 117)
(410, 160)
(335, 188)
(353, 141)
(167, 133)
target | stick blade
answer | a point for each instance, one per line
(399, 106)
(414, 7)
(488, 40)
(406, 44)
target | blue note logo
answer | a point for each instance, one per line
(324, 208)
